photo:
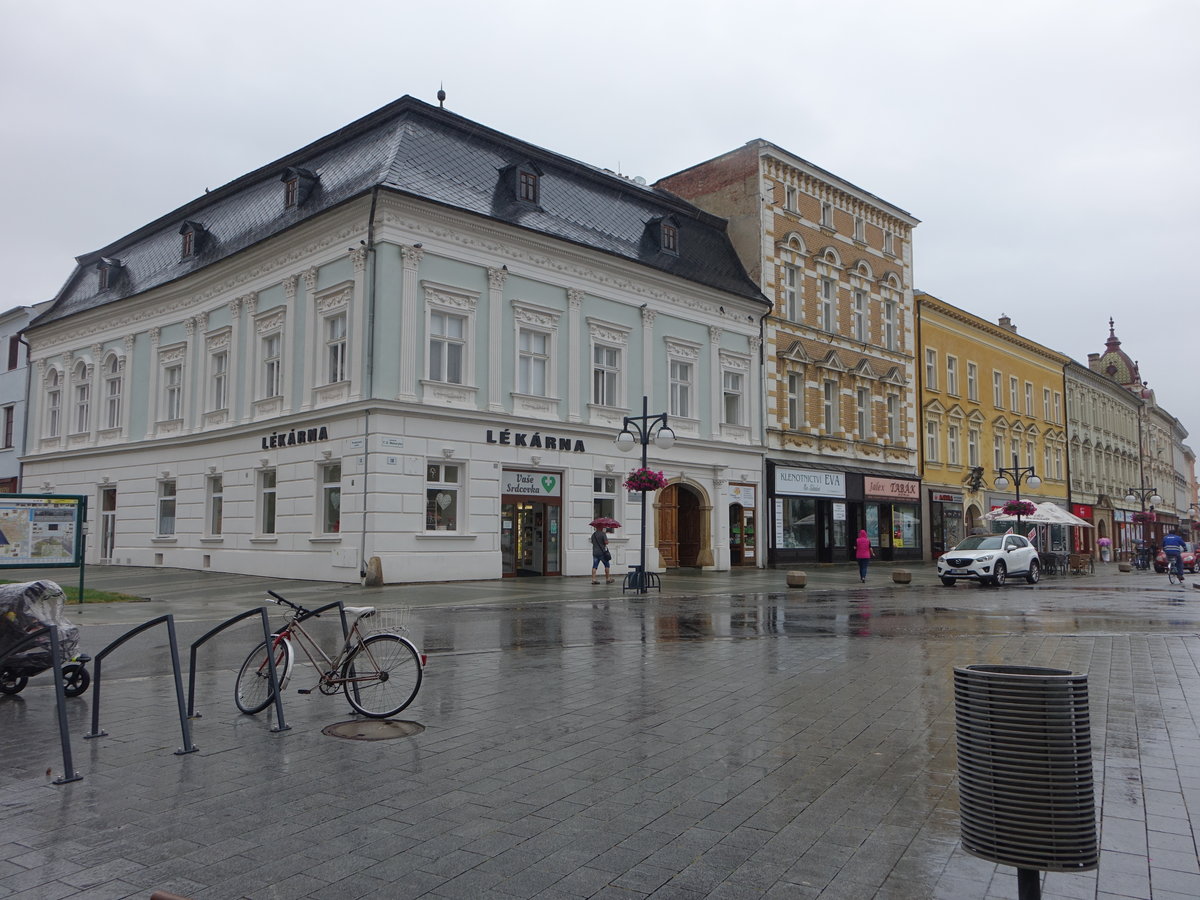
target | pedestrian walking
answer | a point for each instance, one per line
(600, 554)
(863, 553)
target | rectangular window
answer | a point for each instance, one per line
(216, 504)
(795, 389)
(533, 362)
(860, 316)
(113, 383)
(789, 198)
(1057, 408)
(1028, 399)
(952, 445)
(53, 403)
(998, 452)
(447, 341)
(827, 214)
(1046, 460)
(272, 362)
(828, 296)
(1014, 447)
(604, 496)
(681, 389)
(931, 441)
(997, 390)
(331, 498)
(972, 382)
(166, 507)
(442, 483)
(670, 238)
(1030, 453)
(860, 229)
(266, 501)
(829, 410)
(14, 352)
(973, 447)
(888, 243)
(335, 349)
(864, 414)
(731, 383)
(220, 381)
(1046, 404)
(1058, 463)
(952, 376)
(606, 368)
(931, 378)
(9, 417)
(893, 419)
(889, 325)
(172, 393)
(528, 186)
(1013, 401)
(83, 402)
(791, 293)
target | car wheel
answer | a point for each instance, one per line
(1000, 574)
(949, 582)
(1034, 575)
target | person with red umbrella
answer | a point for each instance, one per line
(600, 552)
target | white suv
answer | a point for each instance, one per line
(989, 559)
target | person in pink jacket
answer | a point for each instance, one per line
(862, 552)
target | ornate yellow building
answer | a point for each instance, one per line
(989, 399)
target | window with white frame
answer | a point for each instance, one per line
(826, 214)
(932, 440)
(1046, 404)
(860, 316)
(1058, 463)
(952, 437)
(795, 400)
(172, 391)
(165, 522)
(893, 419)
(973, 447)
(860, 229)
(443, 482)
(604, 496)
(732, 391)
(972, 382)
(791, 293)
(931, 373)
(998, 451)
(533, 361)
(952, 375)
(335, 348)
(215, 496)
(830, 423)
(1046, 460)
(53, 402)
(271, 384)
(10, 417)
(113, 388)
(1028, 399)
(1013, 395)
(329, 476)
(888, 243)
(863, 397)
(447, 347)
(218, 395)
(606, 375)
(827, 307)
(266, 501)
(83, 400)
(1057, 408)
(681, 374)
(789, 198)
(889, 325)
(997, 390)
(1014, 449)
(1030, 452)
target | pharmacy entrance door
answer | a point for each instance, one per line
(530, 537)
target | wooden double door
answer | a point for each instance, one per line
(679, 526)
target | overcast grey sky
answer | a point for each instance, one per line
(1050, 147)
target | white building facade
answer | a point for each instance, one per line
(413, 341)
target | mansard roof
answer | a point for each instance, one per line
(428, 153)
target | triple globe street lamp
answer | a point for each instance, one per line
(641, 430)
(1017, 474)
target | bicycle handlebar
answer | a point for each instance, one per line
(284, 601)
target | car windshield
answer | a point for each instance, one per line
(981, 542)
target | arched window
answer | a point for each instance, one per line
(81, 420)
(112, 392)
(53, 403)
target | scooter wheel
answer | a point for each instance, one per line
(10, 683)
(75, 679)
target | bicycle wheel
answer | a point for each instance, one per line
(388, 673)
(253, 691)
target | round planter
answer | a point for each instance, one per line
(901, 576)
(797, 579)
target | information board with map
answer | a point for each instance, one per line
(41, 530)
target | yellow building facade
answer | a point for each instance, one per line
(990, 399)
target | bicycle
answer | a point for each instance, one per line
(1175, 568)
(380, 672)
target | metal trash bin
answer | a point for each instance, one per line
(1026, 792)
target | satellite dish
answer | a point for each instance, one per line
(638, 179)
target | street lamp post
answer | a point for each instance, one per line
(1143, 494)
(1017, 474)
(640, 430)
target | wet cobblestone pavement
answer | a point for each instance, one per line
(725, 739)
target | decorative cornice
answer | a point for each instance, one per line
(575, 298)
(310, 278)
(496, 278)
(289, 286)
(358, 256)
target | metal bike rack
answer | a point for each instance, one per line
(69, 774)
(261, 612)
(169, 620)
(1026, 794)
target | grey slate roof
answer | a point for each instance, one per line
(417, 149)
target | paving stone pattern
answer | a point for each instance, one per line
(737, 761)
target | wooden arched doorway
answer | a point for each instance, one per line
(680, 526)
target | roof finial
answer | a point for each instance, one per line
(441, 95)
(1111, 330)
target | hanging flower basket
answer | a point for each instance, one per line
(1143, 518)
(1019, 508)
(645, 480)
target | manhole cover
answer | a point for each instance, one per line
(373, 729)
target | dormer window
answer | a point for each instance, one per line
(107, 272)
(527, 185)
(193, 237)
(297, 185)
(664, 233)
(670, 237)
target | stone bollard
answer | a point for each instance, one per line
(901, 576)
(797, 579)
(374, 574)
(1124, 567)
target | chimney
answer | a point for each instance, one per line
(1007, 325)
(1094, 362)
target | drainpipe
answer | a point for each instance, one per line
(25, 417)
(369, 378)
(925, 506)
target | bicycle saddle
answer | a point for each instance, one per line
(359, 611)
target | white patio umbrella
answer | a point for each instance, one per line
(1044, 514)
